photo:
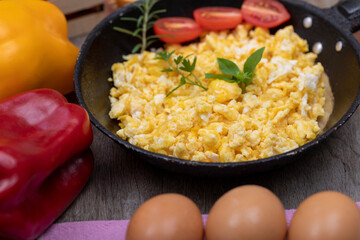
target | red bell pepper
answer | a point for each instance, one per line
(45, 160)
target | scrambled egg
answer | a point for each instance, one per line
(276, 113)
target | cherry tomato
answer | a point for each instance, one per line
(264, 13)
(218, 18)
(183, 29)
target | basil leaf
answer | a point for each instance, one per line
(219, 76)
(167, 70)
(229, 80)
(253, 60)
(228, 67)
(247, 78)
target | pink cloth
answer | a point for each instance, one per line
(103, 230)
(100, 230)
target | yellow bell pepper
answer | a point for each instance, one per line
(35, 51)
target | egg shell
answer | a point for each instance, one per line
(326, 216)
(166, 217)
(247, 212)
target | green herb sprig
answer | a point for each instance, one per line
(143, 24)
(232, 73)
(183, 66)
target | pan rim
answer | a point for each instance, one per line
(218, 165)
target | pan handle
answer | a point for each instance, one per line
(350, 9)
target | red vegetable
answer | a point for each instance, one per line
(264, 13)
(44, 161)
(217, 18)
(182, 29)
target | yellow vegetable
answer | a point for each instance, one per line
(34, 48)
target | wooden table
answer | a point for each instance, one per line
(121, 182)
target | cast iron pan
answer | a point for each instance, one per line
(104, 46)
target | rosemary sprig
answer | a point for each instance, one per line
(232, 73)
(143, 24)
(183, 66)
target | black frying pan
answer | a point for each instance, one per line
(104, 46)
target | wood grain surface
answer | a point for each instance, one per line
(121, 182)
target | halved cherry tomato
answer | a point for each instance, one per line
(264, 13)
(217, 18)
(183, 29)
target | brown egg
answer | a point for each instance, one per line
(166, 217)
(326, 216)
(247, 212)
